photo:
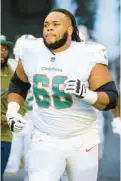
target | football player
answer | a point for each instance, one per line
(69, 80)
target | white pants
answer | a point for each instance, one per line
(50, 156)
(15, 154)
(101, 120)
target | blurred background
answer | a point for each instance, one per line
(99, 21)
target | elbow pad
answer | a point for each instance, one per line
(18, 86)
(110, 89)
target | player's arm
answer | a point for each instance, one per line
(101, 82)
(18, 86)
(101, 93)
(17, 93)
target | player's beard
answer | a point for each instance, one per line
(58, 43)
(3, 65)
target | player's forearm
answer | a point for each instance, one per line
(103, 98)
(107, 96)
(17, 93)
(102, 101)
(15, 101)
(13, 97)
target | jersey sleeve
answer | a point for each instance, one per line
(99, 55)
(96, 55)
(21, 46)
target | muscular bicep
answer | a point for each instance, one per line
(99, 76)
(20, 72)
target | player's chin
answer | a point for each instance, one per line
(50, 40)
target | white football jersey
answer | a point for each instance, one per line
(55, 112)
(13, 63)
(29, 100)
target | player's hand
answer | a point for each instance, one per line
(75, 87)
(116, 125)
(15, 121)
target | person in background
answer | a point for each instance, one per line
(6, 75)
(6, 71)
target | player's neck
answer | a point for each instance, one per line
(61, 49)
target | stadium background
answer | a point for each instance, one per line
(99, 21)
